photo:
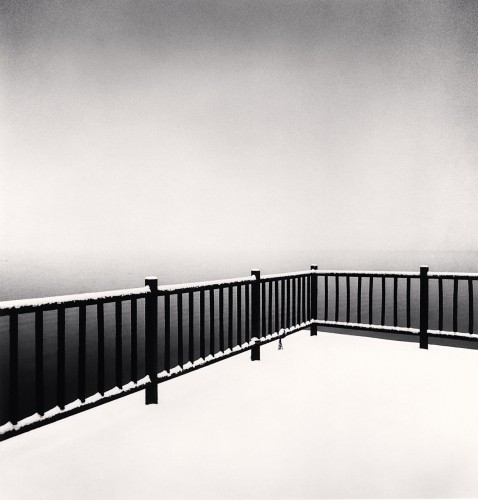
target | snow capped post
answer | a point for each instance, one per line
(256, 315)
(151, 340)
(423, 307)
(313, 299)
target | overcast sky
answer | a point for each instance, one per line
(231, 124)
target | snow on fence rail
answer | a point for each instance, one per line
(201, 323)
(49, 303)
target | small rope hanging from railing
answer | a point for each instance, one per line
(280, 344)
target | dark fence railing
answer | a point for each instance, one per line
(378, 305)
(88, 349)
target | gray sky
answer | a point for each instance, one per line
(228, 124)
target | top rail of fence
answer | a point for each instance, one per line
(205, 285)
(67, 301)
(48, 303)
(453, 275)
(271, 277)
(367, 274)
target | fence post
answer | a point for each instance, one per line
(151, 340)
(313, 300)
(423, 307)
(256, 315)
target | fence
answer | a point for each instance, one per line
(171, 330)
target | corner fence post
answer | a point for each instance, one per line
(151, 340)
(423, 307)
(313, 300)
(256, 316)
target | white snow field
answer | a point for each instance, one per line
(332, 416)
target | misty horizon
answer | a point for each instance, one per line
(222, 127)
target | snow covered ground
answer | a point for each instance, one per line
(332, 416)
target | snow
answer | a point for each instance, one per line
(191, 287)
(396, 329)
(11, 305)
(391, 274)
(362, 326)
(332, 416)
(71, 406)
(79, 297)
(452, 275)
(448, 334)
(285, 275)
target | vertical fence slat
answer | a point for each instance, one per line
(347, 285)
(247, 311)
(119, 345)
(39, 375)
(167, 332)
(202, 333)
(326, 298)
(269, 325)
(455, 304)
(395, 301)
(294, 302)
(359, 299)
(134, 340)
(337, 297)
(470, 306)
(299, 301)
(408, 302)
(82, 354)
(239, 314)
(263, 310)
(304, 296)
(221, 319)
(180, 330)
(13, 390)
(288, 303)
(370, 301)
(276, 306)
(191, 327)
(229, 317)
(282, 303)
(440, 304)
(309, 297)
(382, 317)
(100, 318)
(60, 359)
(212, 326)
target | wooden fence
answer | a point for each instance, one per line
(212, 321)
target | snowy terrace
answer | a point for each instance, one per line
(334, 416)
(179, 328)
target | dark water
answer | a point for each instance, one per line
(99, 281)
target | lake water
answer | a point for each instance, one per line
(23, 277)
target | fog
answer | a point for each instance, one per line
(184, 133)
